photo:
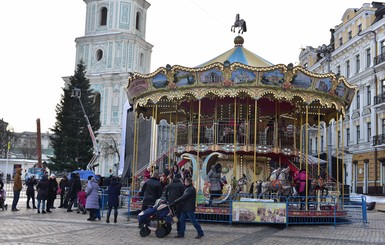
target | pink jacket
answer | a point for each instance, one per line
(301, 177)
(82, 196)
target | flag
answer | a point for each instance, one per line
(9, 145)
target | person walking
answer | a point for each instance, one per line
(74, 188)
(31, 183)
(62, 185)
(42, 189)
(188, 211)
(151, 191)
(17, 186)
(52, 192)
(92, 203)
(113, 198)
(174, 190)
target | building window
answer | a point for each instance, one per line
(137, 23)
(383, 87)
(383, 126)
(340, 41)
(141, 60)
(347, 68)
(358, 134)
(382, 47)
(369, 131)
(339, 137)
(350, 35)
(368, 58)
(358, 100)
(347, 136)
(368, 95)
(358, 63)
(338, 70)
(311, 147)
(99, 54)
(322, 142)
(103, 16)
(316, 145)
(359, 28)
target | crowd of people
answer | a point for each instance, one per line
(73, 192)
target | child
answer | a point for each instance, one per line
(82, 198)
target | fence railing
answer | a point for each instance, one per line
(242, 208)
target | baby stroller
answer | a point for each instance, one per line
(158, 218)
(2, 200)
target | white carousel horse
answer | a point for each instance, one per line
(277, 183)
(239, 23)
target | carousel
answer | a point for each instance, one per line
(253, 118)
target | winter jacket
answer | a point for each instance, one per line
(42, 188)
(214, 179)
(30, 183)
(187, 200)
(92, 194)
(52, 188)
(174, 190)
(82, 197)
(17, 183)
(151, 191)
(114, 193)
(301, 177)
(74, 186)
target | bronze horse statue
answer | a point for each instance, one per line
(239, 23)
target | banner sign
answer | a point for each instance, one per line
(259, 212)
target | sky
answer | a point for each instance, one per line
(38, 42)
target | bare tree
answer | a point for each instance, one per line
(28, 149)
(110, 147)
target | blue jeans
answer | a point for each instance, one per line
(191, 216)
(16, 195)
(42, 204)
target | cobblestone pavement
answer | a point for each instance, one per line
(60, 227)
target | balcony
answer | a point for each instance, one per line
(379, 139)
(379, 99)
(379, 59)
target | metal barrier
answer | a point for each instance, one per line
(242, 208)
(8, 187)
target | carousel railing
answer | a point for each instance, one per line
(241, 132)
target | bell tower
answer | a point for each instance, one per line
(113, 45)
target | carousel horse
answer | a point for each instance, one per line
(319, 185)
(276, 183)
(239, 23)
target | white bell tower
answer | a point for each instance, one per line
(113, 45)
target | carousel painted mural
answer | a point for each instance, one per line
(247, 119)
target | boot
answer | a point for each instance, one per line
(115, 218)
(108, 218)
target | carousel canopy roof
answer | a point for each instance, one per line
(241, 55)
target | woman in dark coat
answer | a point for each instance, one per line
(52, 192)
(42, 188)
(74, 187)
(63, 184)
(30, 183)
(113, 198)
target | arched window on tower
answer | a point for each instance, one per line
(141, 60)
(97, 102)
(137, 23)
(103, 16)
